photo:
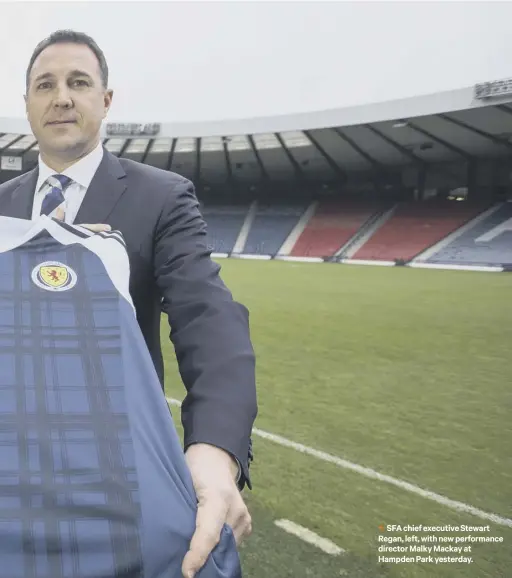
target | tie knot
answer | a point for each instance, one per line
(60, 181)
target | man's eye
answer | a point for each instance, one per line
(43, 85)
(81, 82)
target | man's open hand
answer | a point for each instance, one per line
(219, 502)
(95, 228)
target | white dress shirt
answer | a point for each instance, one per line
(81, 174)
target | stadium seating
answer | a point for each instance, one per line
(223, 225)
(271, 226)
(332, 226)
(486, 242)
(416, 226)
(413, 228)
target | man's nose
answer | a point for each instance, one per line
(63, 98)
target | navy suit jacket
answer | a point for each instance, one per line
(171, 269)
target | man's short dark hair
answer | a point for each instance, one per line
(70, 36)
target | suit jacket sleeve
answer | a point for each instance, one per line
(209, 330)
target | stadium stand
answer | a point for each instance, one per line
(224, 223)
(332, 226)
(416, 226)
(487, 241)
(271, 226)
(341, 192)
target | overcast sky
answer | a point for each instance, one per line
(192, 61)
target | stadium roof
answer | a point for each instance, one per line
(438, 128)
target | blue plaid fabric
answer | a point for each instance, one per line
(69, 503)
(93, 479)
(55, 195)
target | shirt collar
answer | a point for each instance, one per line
(82, 172)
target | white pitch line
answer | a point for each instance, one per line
(310, 537)
(369, 473)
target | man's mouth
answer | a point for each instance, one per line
(62, 122)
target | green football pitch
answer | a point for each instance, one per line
(403, 371)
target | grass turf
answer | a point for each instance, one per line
(401, 370)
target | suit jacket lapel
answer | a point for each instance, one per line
(23, 196)
(106, 188)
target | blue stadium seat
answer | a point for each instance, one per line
(223, 226)
(487, 242)
(270, 228)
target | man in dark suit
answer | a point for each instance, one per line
(157, 211)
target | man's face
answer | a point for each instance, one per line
(66, 101)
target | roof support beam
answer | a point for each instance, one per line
(420, 163)
(374, 162)
(171, 154)
(146, 152)
(299, 173)
(475, 130)
(263, 170)
(401, 149)
(15, 140)
(328, 159)
(229, 167)
(30, 147)
(124, 147)
(504, 108)
(441, 141)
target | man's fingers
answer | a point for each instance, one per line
(209, 523)
(242, 529)
(240, 520)
(220, 503)
(97, 228)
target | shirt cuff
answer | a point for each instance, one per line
(239, 473)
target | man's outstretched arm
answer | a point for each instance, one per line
(210, 333)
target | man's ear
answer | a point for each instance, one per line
(107, 101)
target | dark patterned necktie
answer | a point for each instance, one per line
(55, 196)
